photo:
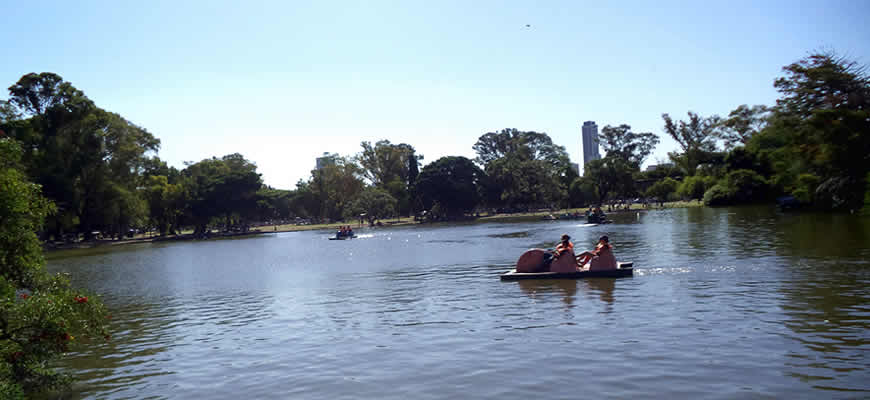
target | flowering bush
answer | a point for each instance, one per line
(40, 313)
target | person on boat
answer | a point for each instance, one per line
(564, 246)
(601, 258)
(349, 231)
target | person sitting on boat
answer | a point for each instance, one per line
(601, 258)
(564, 246)
(349, 231)
(562, 258)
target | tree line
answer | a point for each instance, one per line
(812, 148)
(103, 174)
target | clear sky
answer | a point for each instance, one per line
(284, 81)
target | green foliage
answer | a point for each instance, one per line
(662, 190)
(743, 123)
(89, 161)
(739, 187)
(696, 137)
(374, 203)
(612, 176)
(582, 192)
(451, 183)
(693, 187)
(391, 167)
(523, 168)
(718, 195)
(630, 146)
(223, 188)
(40, 314)
(823, 120)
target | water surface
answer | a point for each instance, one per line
(725, 303)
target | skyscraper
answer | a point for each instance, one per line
(590, 142)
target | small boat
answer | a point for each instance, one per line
(623, 269)
(597, 219)
(342, 237)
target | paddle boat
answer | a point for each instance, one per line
(532, 265)
(343, 235)
(597, 219)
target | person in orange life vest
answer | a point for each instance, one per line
(564, 246)
(600, 258)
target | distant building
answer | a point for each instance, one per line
(590, 142)
(575, 167)
(655, 166)
(327, 159)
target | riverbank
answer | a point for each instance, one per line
(332, 227)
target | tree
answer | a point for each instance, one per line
(40, 314)
(334, 187)
(89, 161)
(825, 113)
(524, 145)
(582, 192)
(612, 177)
(632, 147)
(696, 137)
(693, 187)
(739, 187)
(391, 167)
(451, 183)
(221, 188)
(662, 190)
(523, 168)
(374, 203)
(742, 124)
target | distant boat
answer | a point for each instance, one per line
(597, 219)
(343, 236)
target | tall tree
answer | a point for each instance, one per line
(743, 123)
(632, 147)
(334, 187)
(372, 204)
(825, 104)
(523, 145)
(451, 184)
(89, 161)
(612, 177)
(391, 167)
(523, 168)
(696, 137)
(223, 188)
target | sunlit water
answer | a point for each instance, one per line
(725, 303)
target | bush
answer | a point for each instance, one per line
(747, 186)
(738, 187)
(40, 314)
(718, 195)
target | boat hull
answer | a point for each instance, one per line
(342, 237)
(624, 269)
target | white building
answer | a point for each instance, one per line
(327, 159)
(590, 142)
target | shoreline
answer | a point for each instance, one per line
(531, 216)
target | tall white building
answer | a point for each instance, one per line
(590, 142)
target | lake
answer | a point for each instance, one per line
(724, 303)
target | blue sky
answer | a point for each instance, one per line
(282, 82)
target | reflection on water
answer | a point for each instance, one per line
(509, 235)
(724, 303)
